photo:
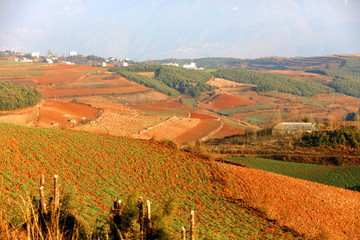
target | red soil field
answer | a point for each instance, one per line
(201, 130)
(114, 107)
(62, 112)
(90, 91)
(226, 100)
(170, 129)
(228, 130)
(168, 104)
(225, 84)
(201, 116)
(318, 211)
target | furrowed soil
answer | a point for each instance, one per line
(97, 169)
(315, 210)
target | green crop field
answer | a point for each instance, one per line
(19, 73)
(245, 109)
(20, 64)
(343, 177)
(97, 169)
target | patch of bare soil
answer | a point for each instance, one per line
(226, 84)
(315, 210)
(170, 129)
(120, 125)
(149, 96)
(55, 114)
(22, 119)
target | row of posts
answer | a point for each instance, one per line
(144, 216)
(145, 219)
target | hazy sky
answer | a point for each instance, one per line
(157, 29)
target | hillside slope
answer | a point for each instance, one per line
(99, 168)
(316, 210)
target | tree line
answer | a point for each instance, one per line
(273, 82)
(340, 137)
(15, 97)
(346, 77)
(169, 80)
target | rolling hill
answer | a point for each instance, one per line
(96, 169)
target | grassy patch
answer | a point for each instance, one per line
(343, 177)
(189, 102)
(261, 117)
(245, 109)
(20, 64)
(20, 73)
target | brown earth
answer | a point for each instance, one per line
(226, 100)
(201, 116)
(169, 129)
(229, 130)
(301, 75)
(227, 85)
(55, 114)
(117, 124)
(315, 210)
(202, 131)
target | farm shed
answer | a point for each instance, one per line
(292, 128)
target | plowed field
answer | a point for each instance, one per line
(120, 125)
(315, 210)
(55, 114)
(225, 100)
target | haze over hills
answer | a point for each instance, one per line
(235, 119)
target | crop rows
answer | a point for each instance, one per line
(99, 168)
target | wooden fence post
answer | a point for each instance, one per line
(183, 233)
(192, 225)
(56, 195)
(141, 217)
(117, 212)
(43, 209)
(42, 180)
(147, 224)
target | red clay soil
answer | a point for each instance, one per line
(226, 100)
(201, 130)
(228, 130)
(169, 104)
(91, 91)
(315, 210)
(201, 116)
(62, 112)
(114, 107)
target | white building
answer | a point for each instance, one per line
(124, 64)
(73, 53)
(49, 60)
(26, 60)
(35, 54)
(190, 66)
(171, 64)
(104, 64)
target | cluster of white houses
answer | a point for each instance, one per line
(36, 57)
